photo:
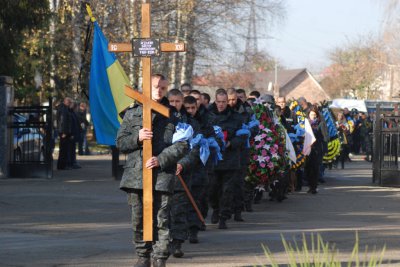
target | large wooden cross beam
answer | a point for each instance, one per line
(145, 47)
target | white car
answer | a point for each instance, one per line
(28, 142)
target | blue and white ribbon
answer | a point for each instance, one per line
(183, 132)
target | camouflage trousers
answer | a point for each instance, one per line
(200, 196)
(158, 249)
(221, 192)
(179, 212)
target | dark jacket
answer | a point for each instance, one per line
(192, 157)
(75, 127)
(167, 153)
(230, 122)
(245, 114)
(64, 123)
(205, 120)
(83, 122)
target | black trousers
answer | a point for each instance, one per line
(63, 155)
(221, 192)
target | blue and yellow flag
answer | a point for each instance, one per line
(106, 89)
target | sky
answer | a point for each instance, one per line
(312, 28)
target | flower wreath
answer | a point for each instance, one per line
(268, 155)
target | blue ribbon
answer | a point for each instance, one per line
(329, 123)
(183, 132)
(245, 131)
(219, 134)
(214, 144)
(205, 145)
(295, 137)
(199, 140)
(253, 122)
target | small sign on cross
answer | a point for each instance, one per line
(146, 47)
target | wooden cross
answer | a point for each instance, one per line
(146, 49)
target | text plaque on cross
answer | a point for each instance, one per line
(146, 47)
(148, 106)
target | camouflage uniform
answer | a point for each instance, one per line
(163, 177)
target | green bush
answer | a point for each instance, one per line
(321, 254)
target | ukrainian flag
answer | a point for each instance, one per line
(106, 96)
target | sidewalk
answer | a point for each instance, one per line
(80, 218)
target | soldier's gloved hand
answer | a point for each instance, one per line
(152, 163)
(179, 169)
(145, 134)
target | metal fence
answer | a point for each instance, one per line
(386, 149)
(30, 144)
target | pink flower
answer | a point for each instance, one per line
(269, 139)
(262, 165)
(262, 143)
(255, 157)
(270, 165)
(261, 126)
(264, 152)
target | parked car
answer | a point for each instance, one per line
(28, 144)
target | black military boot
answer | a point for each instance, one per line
(142, 262)
(193, 235)
(248, 207)
(203, 227)
(176, 248)
(159, 262)
(238, 216)
(215, 216)
(222, 224)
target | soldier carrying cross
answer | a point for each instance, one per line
(152, 158)
(130, 140)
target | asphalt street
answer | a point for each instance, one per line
(80, 218)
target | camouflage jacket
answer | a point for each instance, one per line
(167, 153)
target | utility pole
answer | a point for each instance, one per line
(251, 39)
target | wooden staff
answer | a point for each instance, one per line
(191, 199)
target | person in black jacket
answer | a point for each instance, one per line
(314, 160)
(244, 110)
(222, 184)
(75, 135)
(200, 177)
(64, 125)
(180, 202)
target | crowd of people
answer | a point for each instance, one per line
(228, 152)
(71, 129)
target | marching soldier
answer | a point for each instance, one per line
(200, 178)
(180, 201)
(129, 140)
(222, 184)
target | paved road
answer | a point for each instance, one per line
(80, 218)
